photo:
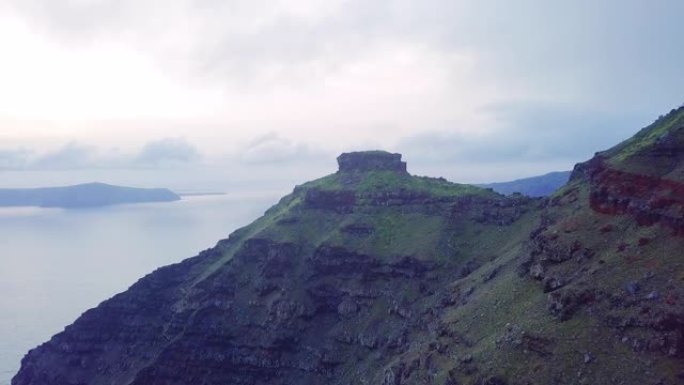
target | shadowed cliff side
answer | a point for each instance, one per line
(374, 276)
(330, 285)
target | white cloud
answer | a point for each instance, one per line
(167, 151)
(13, 159)
(159, 153)
(274, 149)
(70, 156)
(322, 77)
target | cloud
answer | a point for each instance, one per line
(266, 40)
(161, 153)
(72, 155)
(523, 140)
(167, 151)
(600, 52)
(13, 159)
(492, 82)
(596, 55)
(563, 131)
(535, 132)
(271, 148)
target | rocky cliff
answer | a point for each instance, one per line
(374, 276)
(371, 161)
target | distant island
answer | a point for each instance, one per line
(536, 186)
(83, 196)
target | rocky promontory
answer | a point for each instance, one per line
(371, 275)
(371, 161)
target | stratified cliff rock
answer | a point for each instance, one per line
(374, 276)
(371, 161)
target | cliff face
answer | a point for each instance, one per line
(608, 250)
(374, 276)
(371, 161)
(332, 285)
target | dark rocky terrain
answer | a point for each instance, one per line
(373, 276)
(83, 195)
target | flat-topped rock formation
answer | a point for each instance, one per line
(373, 276)
(371, 161)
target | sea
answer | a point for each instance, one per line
(57, 263)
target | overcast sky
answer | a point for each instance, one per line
(479, 90)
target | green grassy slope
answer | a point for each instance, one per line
(374, 276)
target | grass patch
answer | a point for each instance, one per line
(388, 181)
(647, 136)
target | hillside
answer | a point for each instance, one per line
(83, 195)
(536, 186)
(374, 276)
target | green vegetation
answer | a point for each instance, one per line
(648, 136)
(371, 275)
(384, 181)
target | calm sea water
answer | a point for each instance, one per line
(55, 264)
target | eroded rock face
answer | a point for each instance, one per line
(340, 201)
(322, 286)
(595, 250)
(371, 161)
(650, 200)
(351, 280)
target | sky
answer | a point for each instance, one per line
(202, 94)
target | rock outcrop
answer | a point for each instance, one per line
(371, 161)
(373, 276)
(649, 199)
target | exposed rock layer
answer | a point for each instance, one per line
(373, 276)
(371, 161)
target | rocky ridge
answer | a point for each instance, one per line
(374, 276)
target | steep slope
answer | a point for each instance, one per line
(336, 282)
(536, 186)
(374, 276)
(610, 252)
